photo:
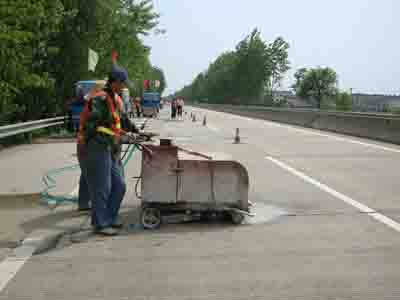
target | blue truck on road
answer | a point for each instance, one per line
(150, 104)
(81, 89)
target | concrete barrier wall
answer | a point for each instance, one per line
(383, 127)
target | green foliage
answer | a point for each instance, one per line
(395, 110)
(279, 63)
(44, 50)
(104, 26)
(299, 76)
(27, 32)
(316, 84)
(344, 101)
(158, 74)
(246, 75)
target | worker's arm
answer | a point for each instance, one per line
(127, 124)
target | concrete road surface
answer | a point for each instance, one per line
(326, 228)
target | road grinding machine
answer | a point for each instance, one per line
(181, 184)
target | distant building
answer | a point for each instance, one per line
(289, 99)
(282, 94)
(361, 102)
(377, 103)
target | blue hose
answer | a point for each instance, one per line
(50, 182)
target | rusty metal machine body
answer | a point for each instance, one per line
(178, 182)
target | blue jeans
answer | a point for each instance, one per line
(84, 195)
(106, 184)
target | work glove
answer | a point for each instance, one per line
(147, 135)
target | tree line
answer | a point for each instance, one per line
(44, 50)
(247, 74)
(254, 70)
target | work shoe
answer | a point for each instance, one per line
(85, 210)
(108, 231)
(117, 223)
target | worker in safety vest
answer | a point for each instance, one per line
(99, 150)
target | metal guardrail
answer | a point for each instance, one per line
(10, 130)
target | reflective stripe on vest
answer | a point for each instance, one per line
(105, 130)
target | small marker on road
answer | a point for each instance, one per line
(237, 137)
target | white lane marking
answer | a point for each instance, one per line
(213, 128)
(361, 207)
(305, 131)
(12, 264)
(337, 138)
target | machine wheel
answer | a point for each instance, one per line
(237, 218)
(150, 217)
(208, 216)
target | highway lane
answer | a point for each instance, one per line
(314, 239)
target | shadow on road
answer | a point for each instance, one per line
(132, 227)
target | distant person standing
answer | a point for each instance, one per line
(180, 104)
(133, 107)
(173, 108)
(137, 107)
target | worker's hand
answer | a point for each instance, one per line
(148, 134)
(132, 136)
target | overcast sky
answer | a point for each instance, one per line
(360, 39)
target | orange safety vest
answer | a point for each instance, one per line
(115, 129)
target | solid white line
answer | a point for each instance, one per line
(361, 207)
(213, 128)
(11, 265)
(8, 269)
(334, 137)
(305, 131)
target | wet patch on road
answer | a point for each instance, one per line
(264, 214)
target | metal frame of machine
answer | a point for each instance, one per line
(179, 183)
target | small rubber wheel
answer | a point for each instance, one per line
(237, 218)
(150, 217)
(208, 216)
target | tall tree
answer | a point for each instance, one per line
(253, 67)
(318, 83)
(343, 101)
(44, 49)
(242, 75)
(27, 33)
(299, 77)
(156, 75)
(278, 61)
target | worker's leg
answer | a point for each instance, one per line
(118, 188)
(99, 180)
(84, 195)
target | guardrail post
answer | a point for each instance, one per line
(28, 137)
